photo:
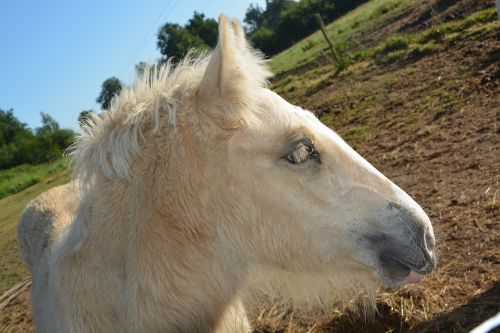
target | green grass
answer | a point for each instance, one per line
(432, 39)
(18, 178)
(18, 186)
(346, 27)
(12, 269)
(396, 43)
(454, 29)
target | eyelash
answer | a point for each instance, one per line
(303, 153)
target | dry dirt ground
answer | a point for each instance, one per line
(431, 124)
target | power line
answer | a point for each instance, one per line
(140, 48)
(145, 38)
(209, 2)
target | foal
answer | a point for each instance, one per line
(196, 177)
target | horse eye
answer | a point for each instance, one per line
(302, 154)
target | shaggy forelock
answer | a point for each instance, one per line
(106, 143)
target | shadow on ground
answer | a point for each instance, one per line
(461, 319)
(467, 316)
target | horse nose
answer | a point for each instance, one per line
(430, 241)
(416, 232)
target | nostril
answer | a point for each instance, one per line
(430, 241)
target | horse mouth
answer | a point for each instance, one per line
(395, 272)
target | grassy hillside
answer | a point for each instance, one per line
(12, 270)
(346, 28)
(352, 34)
(16, 179)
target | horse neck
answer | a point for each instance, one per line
(166, 238)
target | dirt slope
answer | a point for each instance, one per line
(430, 122)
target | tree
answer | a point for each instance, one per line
(264, 39)
(11, 128)
(20, 145)
(204, 28)
(254, 17)
(13, 136)
(49, 124)
(110, 88)
(263, 25)
(50, 141)
(176, 41)
(298, 21)
(274, 12)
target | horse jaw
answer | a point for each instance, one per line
(339, 210)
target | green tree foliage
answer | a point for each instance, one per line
(257, 17)
(49, 124)
(176, 41)
(11, 129)
(265, 40)
(274, 12)
(299, 22)
(20, 145)
(204, 28)
(254, 17)
(109, 89)
(263, 24)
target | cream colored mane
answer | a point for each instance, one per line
(107, 142)
(157, 99)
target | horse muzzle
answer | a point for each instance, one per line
(403, 250)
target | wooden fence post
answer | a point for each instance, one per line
(338, 62)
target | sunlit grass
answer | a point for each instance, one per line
(12, 269)
(340, 30)
(18, 178)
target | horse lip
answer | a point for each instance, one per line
(414, 277)
(394, 271)
(426, 269)
(395, 261)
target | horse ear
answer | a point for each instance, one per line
(239, 35)
(224, 73)
(255, 59)
(234, 70)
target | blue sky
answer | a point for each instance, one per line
(54, 55)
